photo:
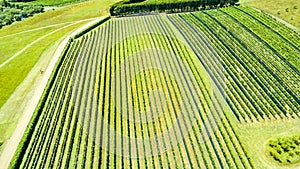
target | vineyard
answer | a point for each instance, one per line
(165, 91)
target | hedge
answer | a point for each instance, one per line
(125, 7)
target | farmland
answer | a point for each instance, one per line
(236, 39)
(166, 91)
(95, 77)
(26, 49)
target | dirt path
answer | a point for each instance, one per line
(13, 142)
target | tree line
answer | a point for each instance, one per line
(128, 7)
(12, 12)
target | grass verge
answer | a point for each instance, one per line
(287, 10)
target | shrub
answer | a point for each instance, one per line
(285, 150)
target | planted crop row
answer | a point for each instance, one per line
(211, 122)
(282, 59)
(265, 61)
(230, 46)
(290, 36)
(210, 60)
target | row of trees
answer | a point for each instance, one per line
(11, 12)
(128, 7)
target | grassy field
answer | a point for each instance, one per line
(22, 44)
(288, 10)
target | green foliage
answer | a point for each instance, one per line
(12, 12)
(126, 7)
(285, 150)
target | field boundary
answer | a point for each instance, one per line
(91, 27)
(12, 144)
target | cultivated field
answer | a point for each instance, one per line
(26, 49)
(166, 91)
